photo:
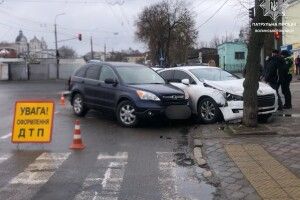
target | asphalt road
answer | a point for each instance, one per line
(149, 162)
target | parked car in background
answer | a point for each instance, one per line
(215, 93)
(131, 91)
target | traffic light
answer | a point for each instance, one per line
(79, 36)
(251, 13)
(277, 35)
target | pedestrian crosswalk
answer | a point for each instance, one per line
(27, 183)
(105, 183)
(4, 157)
(166, 175)
(102, 182)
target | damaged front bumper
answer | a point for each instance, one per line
(233, 110)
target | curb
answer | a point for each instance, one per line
(198, 157)
(251, 131)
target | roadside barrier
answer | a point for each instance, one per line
(77, 141)
(62, 99)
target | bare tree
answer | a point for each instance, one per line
(215, 42)
(244, 34)
(67, 52)
(202, 44)
(168, 29)
(253, 66)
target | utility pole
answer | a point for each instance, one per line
(92, 51)
(27, 62)
(56, 51)
(56, 48)
(104, 52)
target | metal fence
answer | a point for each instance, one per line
(46, 69)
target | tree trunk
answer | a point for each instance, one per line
(253, 65)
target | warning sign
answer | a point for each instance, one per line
(33, 122)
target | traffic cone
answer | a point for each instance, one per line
(77, 141)
(62, 99)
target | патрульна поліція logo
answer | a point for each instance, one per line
(274, 8)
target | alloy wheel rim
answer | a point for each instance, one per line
(77, 105)
(127, 115)
(208, 110)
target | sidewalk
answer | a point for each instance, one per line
(296, 78)
(254, 166)
(251, 167)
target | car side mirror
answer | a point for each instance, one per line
(111, 81)
(185, 81)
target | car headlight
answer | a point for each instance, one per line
(233, 97)
(147, 95)
(186, 95)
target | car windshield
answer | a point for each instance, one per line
(139, 75)
(213, 74)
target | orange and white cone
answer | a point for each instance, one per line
(77, 141)
(62, 99)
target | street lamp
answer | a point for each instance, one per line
(56, 49)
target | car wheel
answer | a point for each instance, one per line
(78, 106)
(264, 118)
(208, 111)
(126, 114)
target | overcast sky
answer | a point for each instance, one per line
(109, 23)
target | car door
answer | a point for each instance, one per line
(168, 75)
(192, 89)
(91, 85)
(107, 94)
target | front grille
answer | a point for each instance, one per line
(176, 99)
(173, 97)
(266, 100)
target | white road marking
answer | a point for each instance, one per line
(56, 112)
(27, 183)
(41, 169)
(167, 177)
(4, 156)
(5, 136)
(104, 182)
(106, 176)
(119, 155)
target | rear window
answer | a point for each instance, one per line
(93, 72)
(80, 72)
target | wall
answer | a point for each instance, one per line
(3, 71)
(46, 69)
(227, 59)
(68, 66)
(17, 71)
(292, 16)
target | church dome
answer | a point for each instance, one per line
(21, 37)
(34, 39)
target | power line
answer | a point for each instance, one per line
(206, 7)
(126, 18)
(111, 2)
(47, 25)
(200, 3)
(213, 15)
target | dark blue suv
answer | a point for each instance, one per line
(131, 91)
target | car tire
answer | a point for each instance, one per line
(79, 108)
(208, 111)
(264, 118)
(126, 114)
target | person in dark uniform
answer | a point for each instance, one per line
(285, 77)
(297, 63)
(271, 71)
